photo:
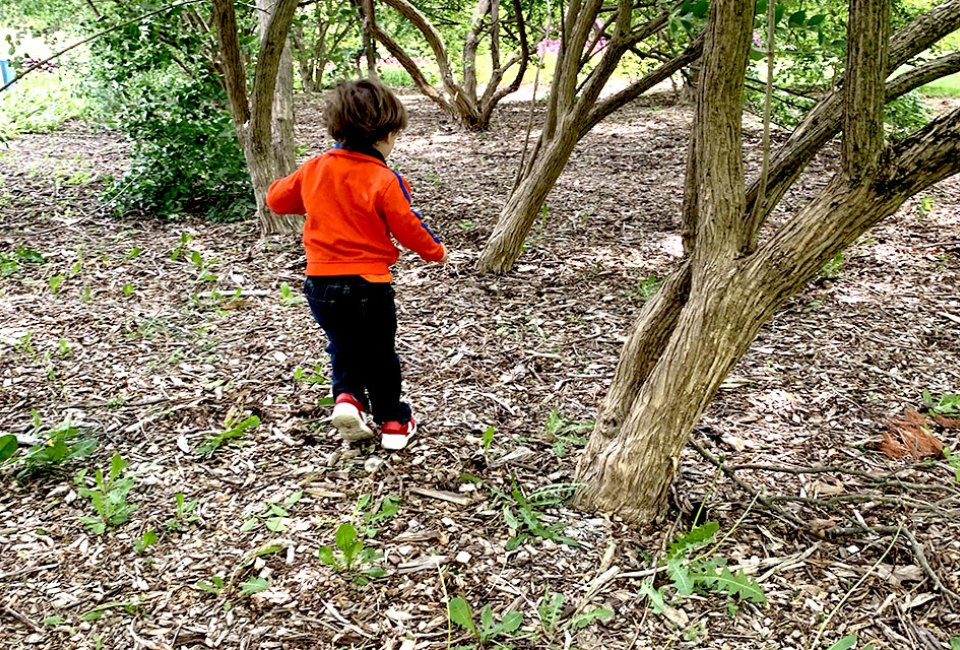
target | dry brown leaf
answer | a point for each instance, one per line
(947, 423)
(909, 436)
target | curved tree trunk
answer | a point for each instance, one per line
(253, 114)
(505, 244)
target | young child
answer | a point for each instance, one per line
(354, 203)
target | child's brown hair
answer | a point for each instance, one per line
(362, 113)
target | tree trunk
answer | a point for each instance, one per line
(369, 42)
(522, 208)
(684, 345)
(506, 243)
(253, 113)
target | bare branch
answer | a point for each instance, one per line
(613, 103)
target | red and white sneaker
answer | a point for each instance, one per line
(350, 419)
(396, 435)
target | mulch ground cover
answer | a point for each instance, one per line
(152, 356)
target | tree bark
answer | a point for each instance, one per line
(283, 120)
(369, 42)
(864, 88)
(518, 215)
(253, 113)
(521, 210)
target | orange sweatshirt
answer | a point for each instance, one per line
(353, 203)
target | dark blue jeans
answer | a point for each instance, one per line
(360, 320)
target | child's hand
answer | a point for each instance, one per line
(443, 260)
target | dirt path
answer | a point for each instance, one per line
(152, 363)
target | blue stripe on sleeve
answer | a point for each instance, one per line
(403, 188)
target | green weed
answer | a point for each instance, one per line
(376, 512)
(485, 629)
(11, 263)
(147, 540)
(273, 515)
(352, 557)
(831, 270)
(564, 434)
(61, 444)
(948, 404)
(287, 296)
(523, 516)
(648, 286)
(701, 573)
(232, 431)
(550, 610)
(108, 496)
(183, 515)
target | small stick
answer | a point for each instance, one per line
(450, 497)
(33, 569)
(23, 619)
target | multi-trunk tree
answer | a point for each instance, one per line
(463, 99)
(575, 106)
(263, 117)
(738, 269)
(318, 37)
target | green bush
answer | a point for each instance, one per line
(154, 82)
(906, 114)
(185, 156)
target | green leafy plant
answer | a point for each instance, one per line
(215, 585)
(352, 556)
(204, 274)
(486, 629)
(128, 289)
(64, 349)
(146, 540)
(954, 460)
(523, 516)
(831, 270)
(231, 432)
(184, 515)
(550, 609)
(315, 377)
(128, 607)
(185, 238)
(287, 296)
(487, 437)
(108, 496)
(254, 586)
(847, 642)
(273, 515)
(648, 286)
(948, 404)
(703, 572)
(11, 263)
(55, 282)
(8, 446)
(60, 445)
(564, 434)
(375, 512)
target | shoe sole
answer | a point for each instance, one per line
(396, 441)
(350, 425)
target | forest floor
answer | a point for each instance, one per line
(135, 349)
